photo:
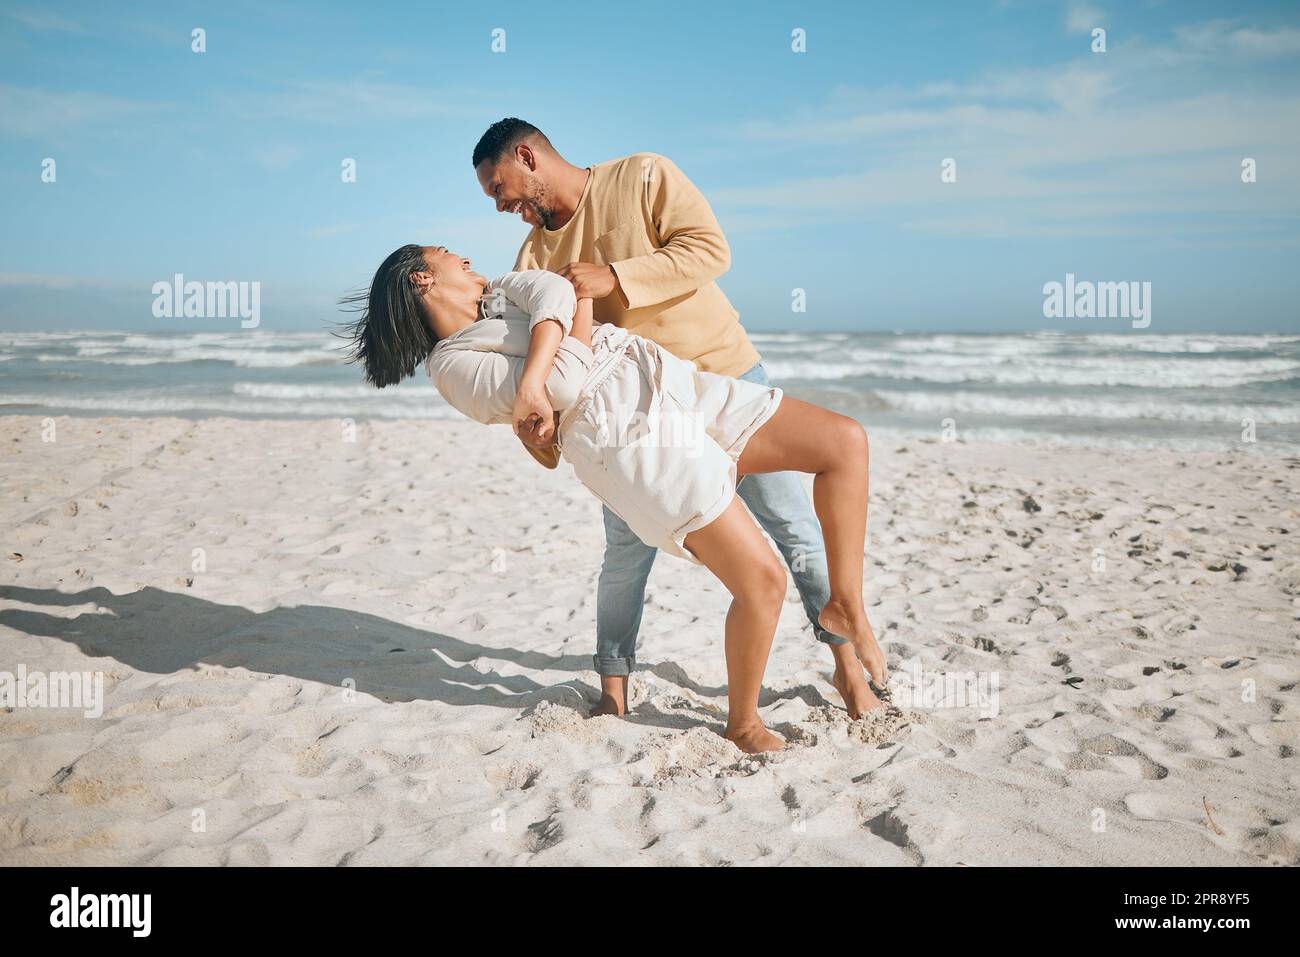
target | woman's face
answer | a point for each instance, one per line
(452, 276)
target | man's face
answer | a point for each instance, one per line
(513, 184)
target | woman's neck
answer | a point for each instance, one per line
(448, 318)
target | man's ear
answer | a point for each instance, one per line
(524, 153)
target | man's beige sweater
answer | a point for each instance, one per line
(642, 216)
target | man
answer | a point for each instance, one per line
(637, 237)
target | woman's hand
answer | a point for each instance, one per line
(533, 413)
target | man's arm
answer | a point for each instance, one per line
(694, 250)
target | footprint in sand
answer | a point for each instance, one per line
(544, 834)
(1273, 839)
(1279, 737)
(1107, 752)
(513, 775)
(1156, 712)
(888, 826)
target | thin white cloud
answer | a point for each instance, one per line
(45, 21)
(1219, 37)
(27, 280)
(1103, 145)
(1079, 84)
(341, 102)
(329, 232)
(33, 112)
(1082, 17)
(277, 156)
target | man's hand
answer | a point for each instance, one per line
(590, 281)
(533, 418)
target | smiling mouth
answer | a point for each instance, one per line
(516, 207)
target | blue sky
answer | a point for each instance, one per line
(823, 166)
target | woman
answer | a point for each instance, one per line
(659, 442)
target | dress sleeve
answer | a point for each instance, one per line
(542, 295)
(481, 385)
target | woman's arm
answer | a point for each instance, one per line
(531, 400)
(537, 430)
(582, 322)
(554, 313)
(542, 295)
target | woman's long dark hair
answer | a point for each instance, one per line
(391, 336)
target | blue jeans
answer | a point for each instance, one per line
(776, 499)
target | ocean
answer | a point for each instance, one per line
(1184, 390)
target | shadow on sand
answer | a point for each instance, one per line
(162, 632)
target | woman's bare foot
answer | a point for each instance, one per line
(752, 737)
(613, 696)
(840, 619)
(850, 681)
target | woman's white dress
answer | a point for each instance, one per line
(650, 435)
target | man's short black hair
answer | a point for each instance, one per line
(502, 136)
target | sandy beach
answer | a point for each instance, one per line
(320, 647)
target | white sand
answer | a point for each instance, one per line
(453, 581)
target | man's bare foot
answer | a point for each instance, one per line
(840, 619)
(753, 738)
(613, 696)
(850, 681)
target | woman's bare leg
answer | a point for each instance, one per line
(733, 548)
(802, 437)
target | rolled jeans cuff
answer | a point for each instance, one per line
(613, 666)
(825, 636)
